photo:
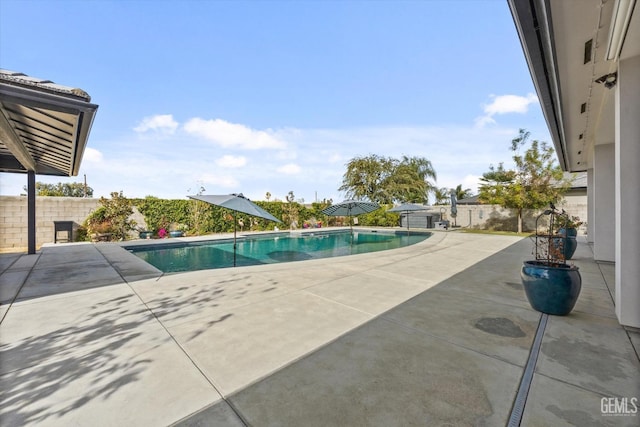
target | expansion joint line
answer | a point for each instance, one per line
(24, 281)
(525, 382)
(175, 341)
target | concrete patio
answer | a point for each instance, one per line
(439, 333)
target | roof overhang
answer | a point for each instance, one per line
(44, 127)
(571, 46)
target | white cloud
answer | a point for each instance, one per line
(92, 155)
(472, 182)
(289, 169)
(231, 135)
(142, 167)
(229, 161)
(505, 104)
(162, 123)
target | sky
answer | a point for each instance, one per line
(260, 97)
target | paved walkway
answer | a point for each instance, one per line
(439, 333)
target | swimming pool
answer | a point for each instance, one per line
(270, 248)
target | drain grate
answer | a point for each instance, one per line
(525, 382)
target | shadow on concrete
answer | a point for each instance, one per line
(85, 357)
(403, 368)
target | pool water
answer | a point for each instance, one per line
(268, 249)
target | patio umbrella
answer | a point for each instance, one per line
(236, 203)
(409, 207)
(454, 206)
(350, 208)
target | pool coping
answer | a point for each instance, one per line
(181, 242)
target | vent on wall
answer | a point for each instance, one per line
(587, 50)
(583, 108)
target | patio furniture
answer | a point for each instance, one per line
(63, 227)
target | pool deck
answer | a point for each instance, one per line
(438, 333)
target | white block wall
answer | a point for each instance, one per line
(13, 217)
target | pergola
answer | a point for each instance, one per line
(44, 128)
(584, 59)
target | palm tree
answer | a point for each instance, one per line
(424, 172)
(462, 194)
(442, 196)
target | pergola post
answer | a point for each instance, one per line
(31, 212)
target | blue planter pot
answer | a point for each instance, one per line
(570, 242)
(146, 234)
(569, 232)
(176, 233)
(570, 246)
(551, 290)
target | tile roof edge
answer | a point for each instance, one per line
(21, 79)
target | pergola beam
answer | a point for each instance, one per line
(9, 137)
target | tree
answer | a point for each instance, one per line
(410, 181)
(63, 189)
(536, 181)
(386, 180)
(442, 196)
(462, 194)
(365, 176)
(112, 217)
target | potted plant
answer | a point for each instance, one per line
(552, 286)
(177, 230)
(569, 231)
(145, 234)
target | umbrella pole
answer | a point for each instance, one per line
(351, 225)
(235, 223)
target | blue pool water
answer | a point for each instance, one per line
(270, 248)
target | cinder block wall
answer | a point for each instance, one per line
(493, 216)
(13, 217)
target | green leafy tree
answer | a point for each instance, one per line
(386, 180)
(365, 177)
(63, 189)
(462, 194)
(536, 180)
(410, 181)
(442, 196)
(113, 217)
